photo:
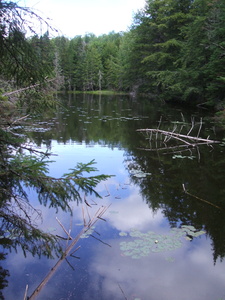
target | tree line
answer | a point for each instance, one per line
(25, 62)
(174, 49)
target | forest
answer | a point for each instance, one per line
(174, 51)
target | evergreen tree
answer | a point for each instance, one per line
(65, 59)
(77, 48)
(215, 68)
(22, 167)
(92, 68)
(18, 59)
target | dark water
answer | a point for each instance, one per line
(158, 241)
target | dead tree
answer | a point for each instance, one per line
(69, 251)
(174, 140)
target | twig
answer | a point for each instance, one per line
(66, 253)
(69, 264)
(26, 88)
(100, 240)
(107, 191)
(175, 147)
(61, 237)
(94, 203)
(102, 219)
(17, 120)
(85, 201)
(122, 292)
(200, 127)
(25, 295)
(182, 116)
(192, 125)
(83, 216)
(186, 192)
(88, 213)
(64, 229)
(75, 250)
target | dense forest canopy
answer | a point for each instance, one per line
(29, 61)
(174, 50)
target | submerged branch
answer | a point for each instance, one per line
(68, 250)
(205, 201)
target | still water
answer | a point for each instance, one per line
(154, 241)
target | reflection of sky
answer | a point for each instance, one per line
(103, 272)
(190, 276)
(70, 154)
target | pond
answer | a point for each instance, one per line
(162, 235)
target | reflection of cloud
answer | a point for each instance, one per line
(133, 212)
(31, 270)
(153, 277)
(24, 271)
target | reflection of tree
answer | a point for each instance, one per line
(3, 274)
(113, 121)
(163, 189)
(94, 119)
(24, 168)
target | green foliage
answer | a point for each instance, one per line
(175, 49)
(38, 100)
(20, 60)
(22, 168)
(189, 45)
(21, 172)
(88, 63)
(56, 192)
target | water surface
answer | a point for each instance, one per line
(144, 252)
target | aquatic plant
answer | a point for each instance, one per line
(145, 243)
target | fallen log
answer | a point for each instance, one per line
(180, 137)
(68, 250)
(25, 89)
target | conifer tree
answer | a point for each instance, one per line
(21, 166)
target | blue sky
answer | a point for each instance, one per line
(77, 17)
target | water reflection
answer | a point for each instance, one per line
(191, 275)
(105, 129)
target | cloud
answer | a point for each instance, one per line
(79, 17)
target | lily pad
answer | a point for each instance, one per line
(123, 233)
(139, 174)
(144, 243)
(88, 233)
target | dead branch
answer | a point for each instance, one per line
(25, 295)
(179, 136)
(183, 141)
(68, 250)
(122, 292)
(205, 201)
(25, 89)
(181, 147)
(64, 229)
(108, 194)
(17, 120)
(100, 240)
